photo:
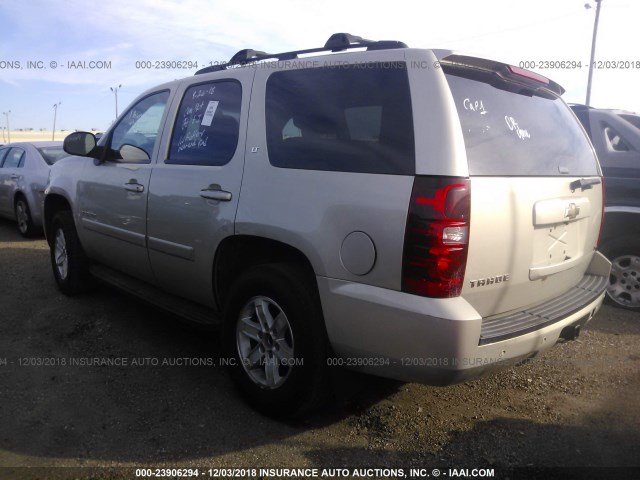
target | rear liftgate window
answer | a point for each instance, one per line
(349, 119)
(516, 131)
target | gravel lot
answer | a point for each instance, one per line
(578, 405)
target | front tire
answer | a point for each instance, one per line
(26, 226)
(68, 260)
(624, 281)
(275, 341)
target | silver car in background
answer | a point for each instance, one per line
(24, 171)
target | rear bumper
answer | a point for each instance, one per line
(439, 341)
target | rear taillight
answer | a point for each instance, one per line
(437, 237)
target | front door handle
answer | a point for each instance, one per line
(14, 176)
(133, 186)
(215, 192)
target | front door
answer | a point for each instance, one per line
(112, 195)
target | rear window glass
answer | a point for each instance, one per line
(518, 134)
(52, 154)
(348, 119)
(14, 158)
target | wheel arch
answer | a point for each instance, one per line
(17, 195)
(53, 204)
(237, 253)
(620, 222)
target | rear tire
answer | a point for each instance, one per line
(624, 281)
(68, 260)
(26, 226)
(275, 341)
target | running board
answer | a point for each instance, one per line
(185, 309)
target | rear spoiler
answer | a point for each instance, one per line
(500, 73)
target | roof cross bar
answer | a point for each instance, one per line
(337, 42)
(247, 55)
(340, 41)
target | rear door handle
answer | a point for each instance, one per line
(133, 186)
(584, 183)
(215, 192)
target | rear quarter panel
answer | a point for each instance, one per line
(315, 211)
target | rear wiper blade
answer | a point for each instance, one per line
(584, 183)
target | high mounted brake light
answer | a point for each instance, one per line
(527, 74)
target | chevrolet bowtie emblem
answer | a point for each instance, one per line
(571, 211)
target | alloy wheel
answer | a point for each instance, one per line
(265, 342)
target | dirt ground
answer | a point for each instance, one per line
(576, 406)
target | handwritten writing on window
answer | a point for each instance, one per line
(197, 112)
(193, 139)
(203, 92)
(474, 106)
(512, 125)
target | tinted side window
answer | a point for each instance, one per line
(614, 140)
(632, 119)
(350, 119)
(207, 125)
(14, 158)
(139, 127)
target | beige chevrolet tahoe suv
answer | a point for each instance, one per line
(415, 214)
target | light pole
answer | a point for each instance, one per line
(593, 47)
(6, 114)
(3, 134)
(55, 113)
(115, 91)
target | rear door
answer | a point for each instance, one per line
(536, 190)
(194, 190)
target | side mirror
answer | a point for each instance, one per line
(80, 143)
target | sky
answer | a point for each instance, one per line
(73, 52)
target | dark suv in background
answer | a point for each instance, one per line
(615, 134)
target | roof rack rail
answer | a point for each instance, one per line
(337, 42)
